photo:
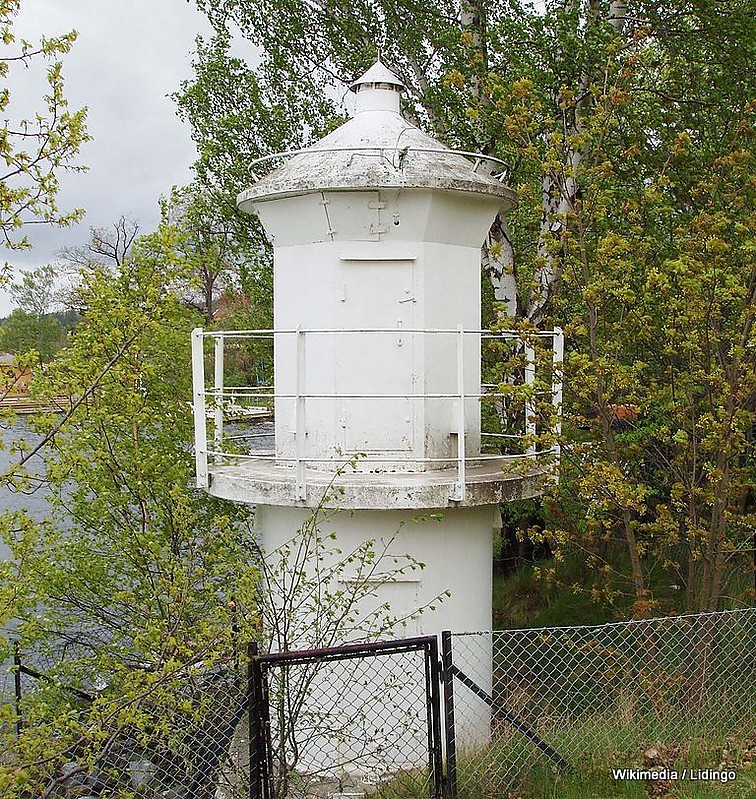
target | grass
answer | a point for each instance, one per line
(523, 599)
(594, 780)
(510, 769)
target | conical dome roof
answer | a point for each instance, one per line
(377, 148)
(378, 74)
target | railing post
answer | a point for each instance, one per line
(300, 421)
(459, 490)
(556, 385)
(218, 386)
(200, 421)
(530, 404)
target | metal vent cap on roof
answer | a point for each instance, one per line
(379, 76)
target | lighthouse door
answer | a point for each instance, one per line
(376, 373)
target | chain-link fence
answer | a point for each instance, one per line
(366, 720)
(354, 720)
(563, 698)
(181, 734)
(350, 721)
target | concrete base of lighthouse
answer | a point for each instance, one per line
(447, 555)
(418, 574)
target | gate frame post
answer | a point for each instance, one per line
(427, 646)
(447, 677)
(433, 709)
(259, 775)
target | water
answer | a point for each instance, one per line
(34, 500)
(254, 437)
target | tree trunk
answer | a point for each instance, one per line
(497, 253)
(560, 188)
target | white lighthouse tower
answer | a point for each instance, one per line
(377, 230)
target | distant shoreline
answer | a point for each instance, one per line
(23, 405)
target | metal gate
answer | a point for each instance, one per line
(362, 718)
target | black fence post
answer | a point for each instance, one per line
(255, 737)
(17, 686)
(433, 705)
(447, 677)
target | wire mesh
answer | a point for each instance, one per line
(564, 698)
(183, 736)
(524, 701)
(352, 727)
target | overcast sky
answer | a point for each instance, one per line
(130, 55)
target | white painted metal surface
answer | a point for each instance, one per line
(377, 341)
(451, 545)
(378, 75)
(377, 232)
(377, 149)
(198, 405)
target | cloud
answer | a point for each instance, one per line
(130, 55)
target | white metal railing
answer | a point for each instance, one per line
(214, 402)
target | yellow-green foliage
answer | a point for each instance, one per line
(140, 590)
(35, 150)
